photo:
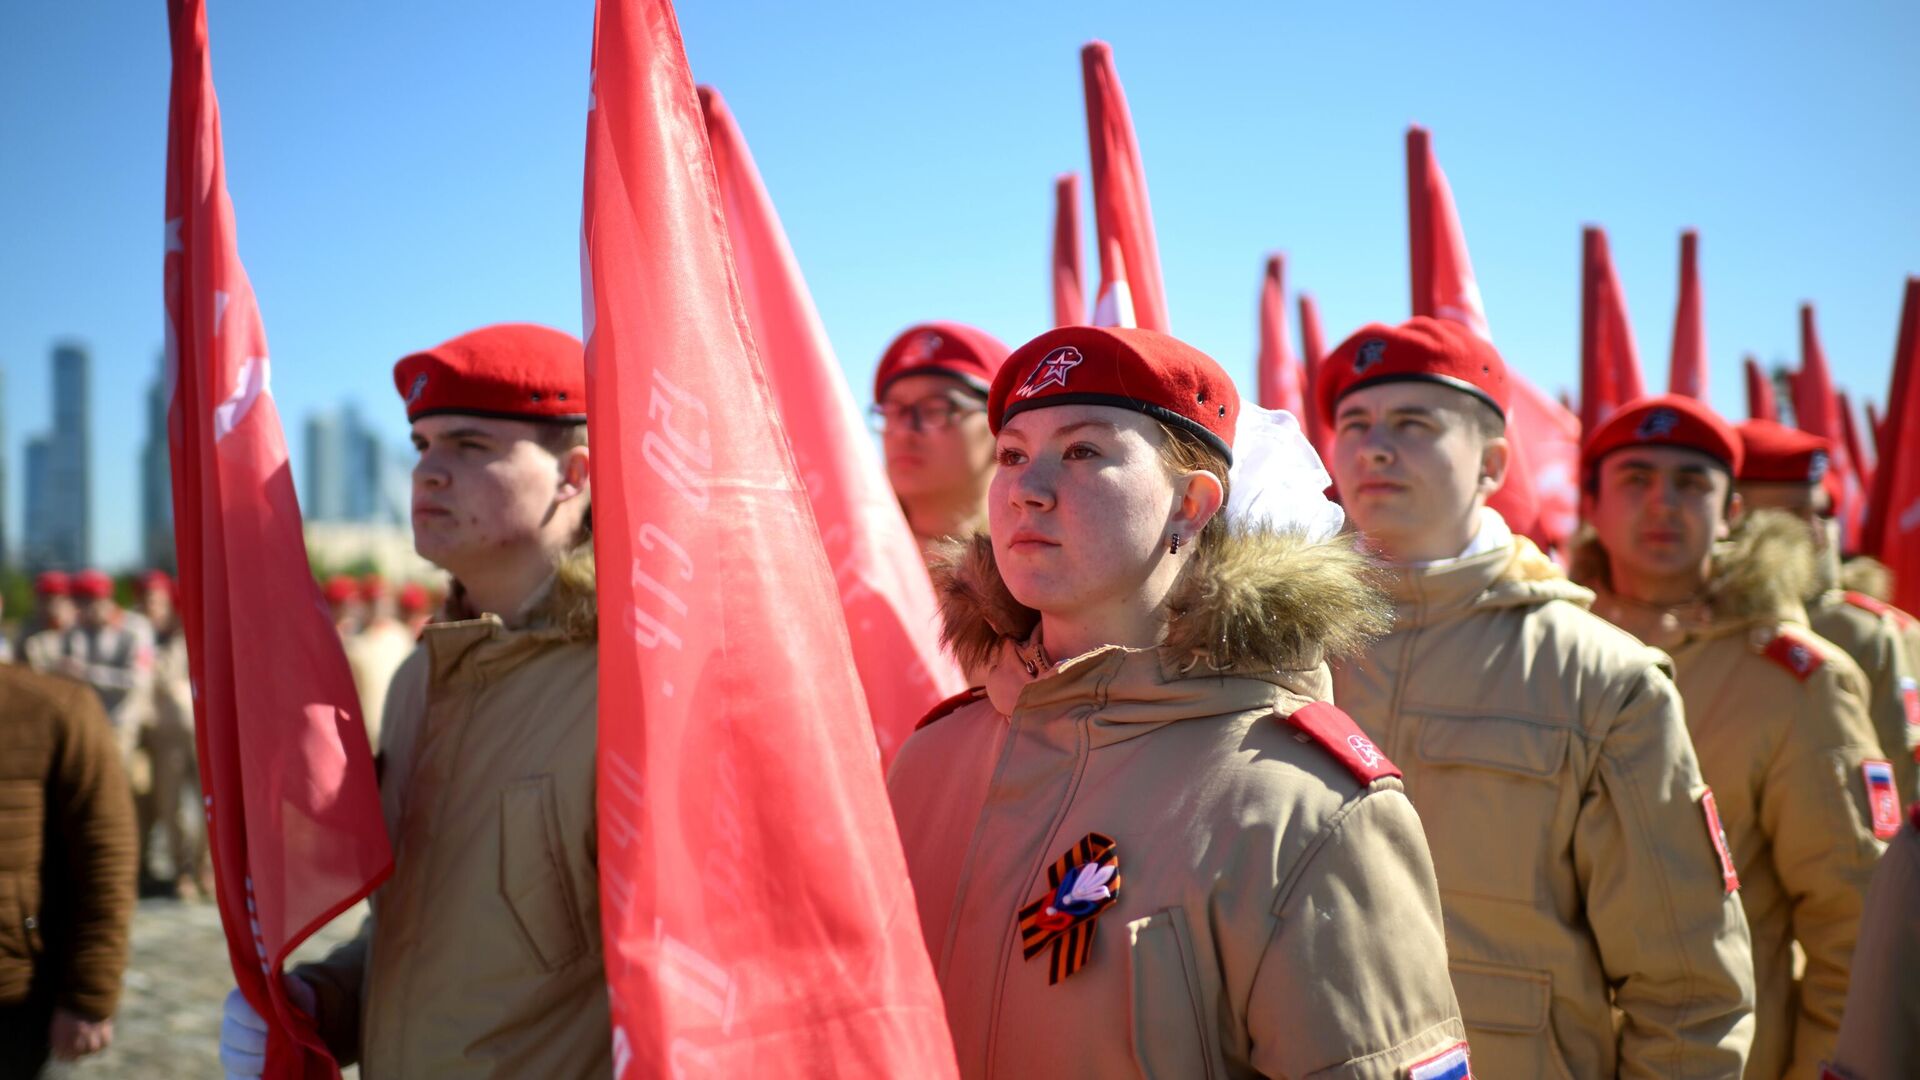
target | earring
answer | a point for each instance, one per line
(1174, 547)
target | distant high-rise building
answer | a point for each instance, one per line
(59, 470)
(325, 497)
(351, 475)
(6, 553)
(156, 480)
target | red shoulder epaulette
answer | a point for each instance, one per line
(952, 704)
(1795, 655)
(1878, 607)
(1336, 731)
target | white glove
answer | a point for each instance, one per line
(243, 1034)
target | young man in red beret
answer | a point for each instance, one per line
(45, 648)
(114, 653)
(1789, 470)
(482, 956)
(930, 406)
(1589, 929)
(1778, 715)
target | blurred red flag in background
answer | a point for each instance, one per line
(756, 910)
(1123, 221)
(1816, 410)
(1760, 402)
(1609, 364)
(1313, 349)
(1069, 294)
(1688, 374)
(1893, 518)
(293, 811)
(1280, 378)
(891, 616)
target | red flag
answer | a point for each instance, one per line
(293, 811)
(1280, 377)
(1609, 364)
(1551, 433)
(1069, 295)
(1816, 410)
(1893, 514)
(755, 905)
(1313, 349)
(1123, 221)
(891, 613)
(1878, 428)
(1760, 402)
(1689, 372)
(1856, 449)
(1444, 287)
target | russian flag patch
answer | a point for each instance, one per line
(1883, 800)
(1448, 1064)
(1717, 833)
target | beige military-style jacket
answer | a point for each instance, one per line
(1874, 636)
(1277, 915)
(1880, 1030)
(482, 956)
(1779, 719)
(1589, 926)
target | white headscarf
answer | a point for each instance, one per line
(1277, 479)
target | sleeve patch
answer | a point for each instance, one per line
(1795, 655)
(1883, 802)
(1717, 833)
(1336, 731)
(1448, 1064)
(951, 705)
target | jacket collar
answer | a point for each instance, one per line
(1515, 574)
(562, 610)
(1263, 610)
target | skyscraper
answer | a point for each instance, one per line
(156, 480)
(351, 475)
(325, 495)
(6, 553)
(59, 470)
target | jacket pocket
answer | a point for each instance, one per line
(1169, 1020)
(1493, 794)
(534, 876)
(1506, 1011)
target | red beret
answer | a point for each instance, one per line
(373, 587)
(413, 597)
(1774, 453)
(941, 348)
(53, 583)
(1126, 368)
(1667, 420)
(156, 581)
(92, 585)
(1422, 349)
(514, 370)
(340, 588)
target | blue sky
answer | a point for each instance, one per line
(403, 172)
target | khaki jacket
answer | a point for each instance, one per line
(1873, 635)
(1880, 1031)
(67, 847)
(1277, 915)
(482, 956)
(1779, 720)
(1589, 926)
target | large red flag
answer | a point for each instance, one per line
(1444, 287)
(1123, 220)
(755, 905)
(1878, 428)
(1893, 514)
(1313, 349)
(1760, 400)
(1069, 295)
(1856, 448)
(1551, 433)
(1688, 374)
(1609, 364)
(890, 610)
(1816, 410)
(293, 811)
(1279, 374)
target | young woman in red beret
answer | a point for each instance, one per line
(1149, 845)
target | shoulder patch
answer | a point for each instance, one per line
(1336, 731)
(951, 705)
(1866, 603)
(1795, 655)
(1449, 1064)
(1883, 801)
(1717, 834)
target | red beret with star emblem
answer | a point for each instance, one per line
(1773, 453)
(517, 371)
(1667, 420)
(1422, 349)
(1123, 367)
(941, 348)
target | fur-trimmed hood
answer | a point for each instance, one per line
(1763, 571)
(566, 608)
(1261, 602)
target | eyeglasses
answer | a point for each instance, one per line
(928, 414)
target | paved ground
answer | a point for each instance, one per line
(169, 1022)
